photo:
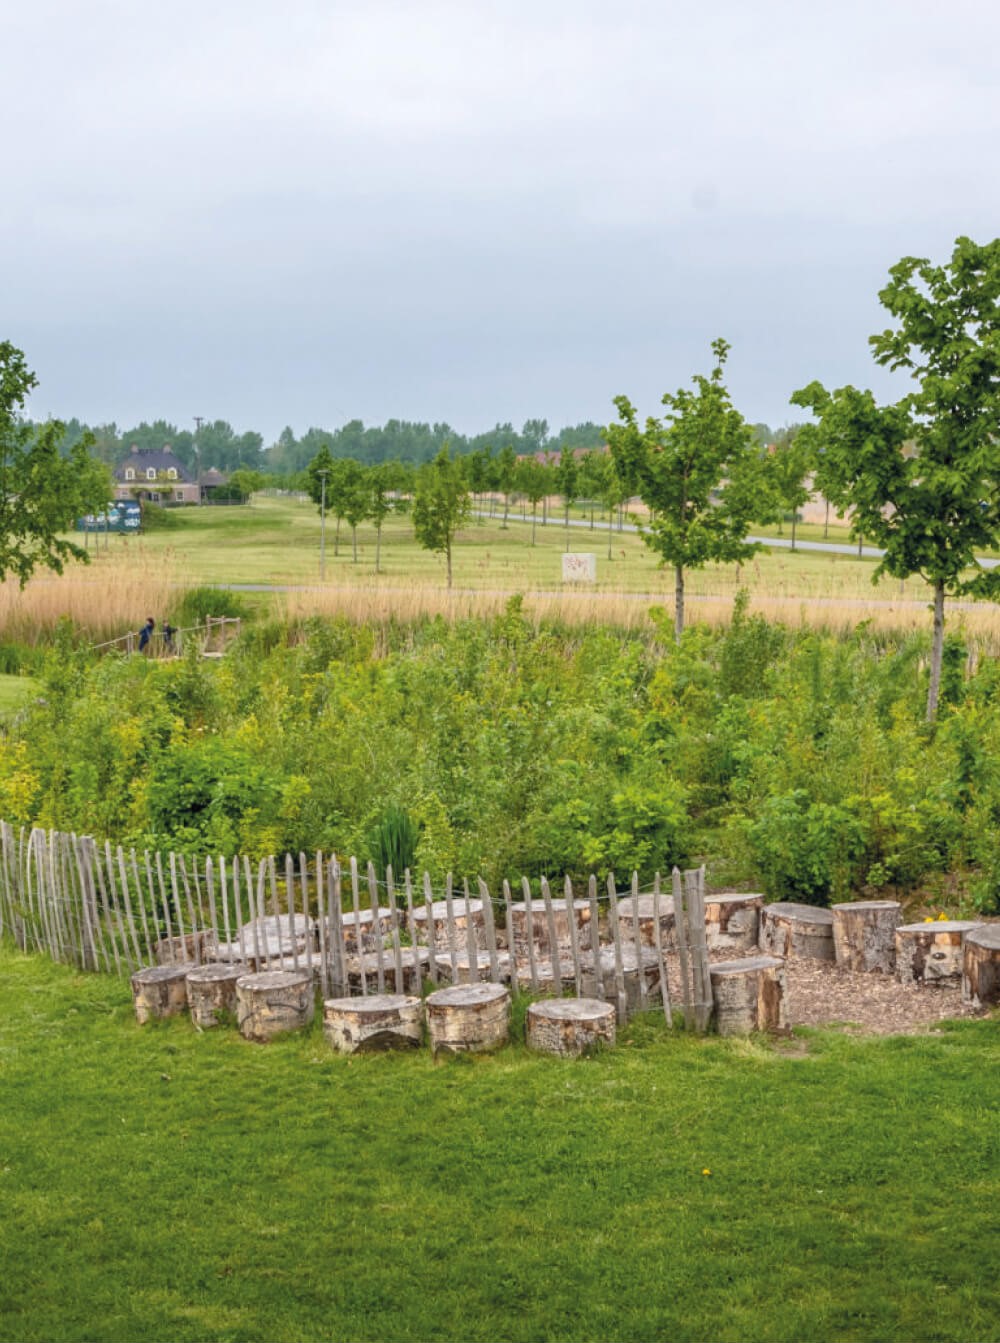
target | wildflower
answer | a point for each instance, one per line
(706, 1171)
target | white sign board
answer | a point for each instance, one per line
(580, 568)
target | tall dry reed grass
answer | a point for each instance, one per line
(112, 594)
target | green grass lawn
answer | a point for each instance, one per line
(164, 1184)
(15, 691)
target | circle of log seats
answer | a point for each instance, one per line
(543, 981)
(539, 938)
(931, 953)
(789, 929)
(211, 990)
(159, 991)
(462, 911)
(732, 920)
(482, 971)
(187, 950)
(468, 1018)
(645, 906)
(569, 1026)
(864, 934)
(380, 1022)
(749, 995)
(262, 942)
(272, 1002)
(647, 963)
(415, 961)
(981, 966)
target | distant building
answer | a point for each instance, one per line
(158, 476)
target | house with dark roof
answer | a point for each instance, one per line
(156, 475)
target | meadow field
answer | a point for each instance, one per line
(160, 1182)
(272, 548)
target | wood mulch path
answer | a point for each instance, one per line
(821, 994)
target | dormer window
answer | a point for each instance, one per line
(129, 473)
(171, 472)
(150, 473)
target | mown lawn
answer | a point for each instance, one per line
(160, 1183)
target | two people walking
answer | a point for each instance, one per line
(149, 629)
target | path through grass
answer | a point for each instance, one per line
(160, 1183)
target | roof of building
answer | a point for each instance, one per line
(141, 460)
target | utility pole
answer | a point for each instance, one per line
(322, 524)
(197, 450)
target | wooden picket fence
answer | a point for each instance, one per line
(110, 909)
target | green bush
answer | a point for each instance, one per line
(197, 603)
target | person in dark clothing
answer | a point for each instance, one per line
(168, 637)
(146, 633)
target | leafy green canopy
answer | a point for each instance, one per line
(41, 492)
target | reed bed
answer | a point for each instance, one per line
(112, 594)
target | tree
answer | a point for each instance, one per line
(533, 480)
(440, 504)
(383, 482)
(41, 491)
(566, 480)
(246, 482)
(506, 470)
(789, 465)
(698, 471)
(921, 476)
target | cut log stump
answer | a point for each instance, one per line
(368, 1025)
(363, 927)
(749, 995)
(931, 953)
(159, 991)
(482, 970)
(211, 990)
(570, 1026)
(415, 962)
(189, 950)
(789, 929)
(643, 905)
(462, 911)
(864, 934)
(468, 1018)
(267, 941)
(540, 939)
(275, 1001)
(981, 966)
(732, 921)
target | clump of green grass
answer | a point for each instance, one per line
(158, 1182)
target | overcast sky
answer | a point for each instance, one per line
(304, 212)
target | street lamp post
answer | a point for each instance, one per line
(322, 524)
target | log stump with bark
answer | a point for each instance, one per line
(272, 1002)
(981, 966)
(364, 928)
(462, 911)
(481, 971)
(415, 962)
(931, 953)
(789, 929)
(864, 934)
(570, 1026)
(732, 921)
(644, 906)
(211, 991)
(187, 950)
(749, 995)
(468, 1018)
(159, 991)
(540, 938)
(267, 942)
(379, 1022)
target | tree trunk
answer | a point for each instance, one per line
(468, 1018)
(790, 929)
(567, 527)
(273, 1002)
(354, 543)
(336, 539)
(864, 934)
(981, 966)
(448, 557)
(534, 520)
(378, 1022)
(678, 602)
(749, 995)
(793, 530)
(378, 546)
(937, 649)
(826, 521)
(611, 528)
(506, 508)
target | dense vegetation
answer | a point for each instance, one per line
(790, 759)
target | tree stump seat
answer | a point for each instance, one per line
(544, 978)
(791, 930)
(646, 964)
(379, 1022)
(864, 935)
(159, 991)
(540, 936)
(981, 966)
(273, 1002)
(732, 920)
(468, 1018)
(931, 953)
(261, 943)
(187, 950)
(462, 912)
(211, 990)
(460, 972)
(364, 928)
(570, 1026)
(644, 906)
(415, 962)
(749, 995)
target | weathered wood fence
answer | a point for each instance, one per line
(107, 908)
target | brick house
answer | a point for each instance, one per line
(156, 475)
